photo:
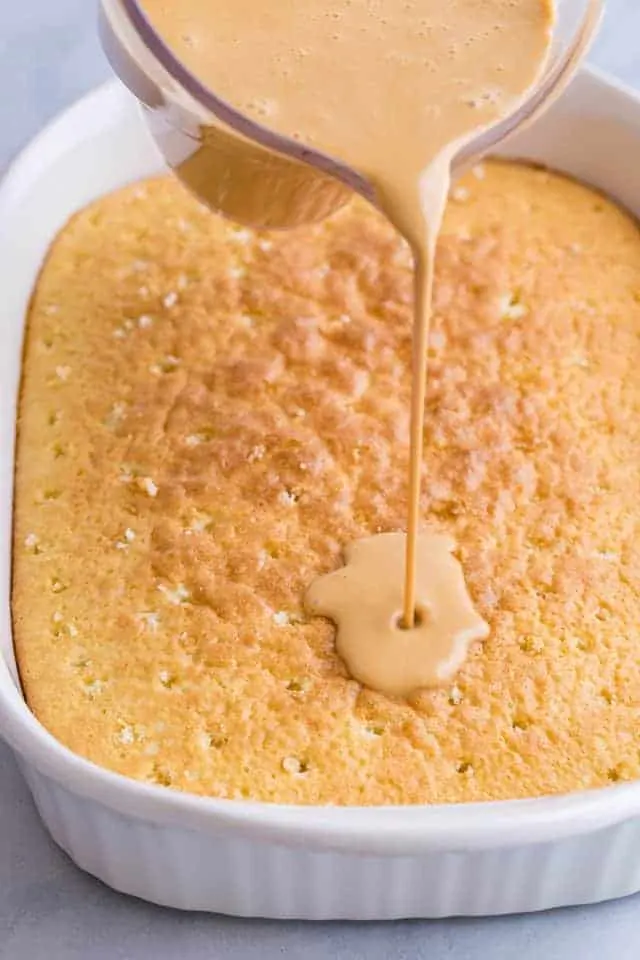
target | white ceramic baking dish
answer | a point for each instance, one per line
(274, 861)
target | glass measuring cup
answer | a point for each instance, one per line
(257, 177)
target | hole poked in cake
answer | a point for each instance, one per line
(295, 766)
(116, 415)
(61, 628)
(531, 644)
(176, 595)
(274, 550)
(126, 734)
(93, 686)
(160, 776)
(50, 494)
(32, 544)
(167, 679)
(586, 644)
(166, 364)
(372, 731)
(211, 740)
(464, 768)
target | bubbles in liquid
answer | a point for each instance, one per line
(262, 107)
(485, 98)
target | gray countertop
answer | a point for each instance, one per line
(49, 55)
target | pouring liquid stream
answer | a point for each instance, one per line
(434, 189)
(394, 90)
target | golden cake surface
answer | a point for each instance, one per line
(209, 415)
